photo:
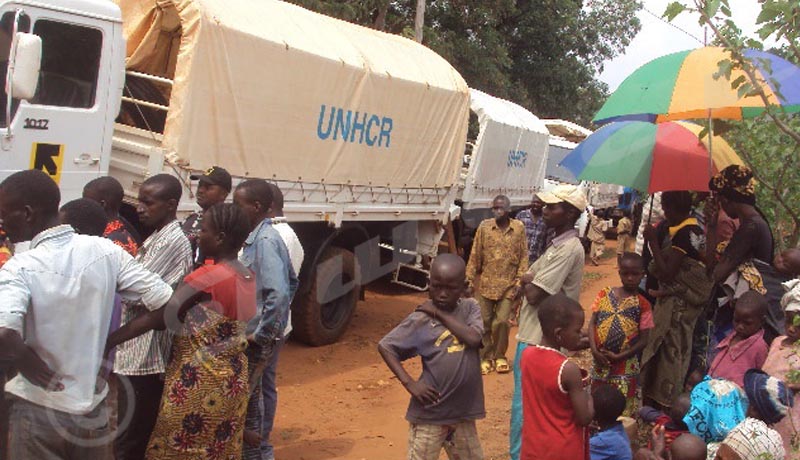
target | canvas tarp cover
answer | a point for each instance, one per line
(269, 89)
(510, 153)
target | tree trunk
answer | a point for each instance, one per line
(419, 20)
(380, 19)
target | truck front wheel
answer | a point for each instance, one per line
(321, 316)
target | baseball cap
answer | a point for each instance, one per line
(214, 175)
(567, 193)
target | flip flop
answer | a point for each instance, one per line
(501, 366)
(486, 367)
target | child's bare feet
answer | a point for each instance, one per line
(251, 438)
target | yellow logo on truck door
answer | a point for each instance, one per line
(48, 158)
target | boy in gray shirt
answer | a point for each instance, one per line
(445, 332)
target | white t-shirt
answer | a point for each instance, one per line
(58, 296)
(296, 254)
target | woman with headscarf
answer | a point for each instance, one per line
(717, 406)
(745, 263)
(751, 440)
(683, 290)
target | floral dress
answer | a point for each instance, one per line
(205, 393)
(618, 324)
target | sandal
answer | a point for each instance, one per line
(486, 367)
(501, 366)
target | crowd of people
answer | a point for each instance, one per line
(698, 341)
(161, 344)
(161, 340)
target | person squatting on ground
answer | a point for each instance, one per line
(142, 361)
(500, 257)
(265, 253)
(556, 403)
(684, 447)
(205, 396)
(60, 415)
(445, 332)
(744, 348)
(783, 358)
(672, 421)
(558, 270)
(611, 441)
(618, 330)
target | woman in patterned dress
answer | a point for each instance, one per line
(621, 320)
(205, 393)
(683, 290)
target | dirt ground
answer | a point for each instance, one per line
(341, 402)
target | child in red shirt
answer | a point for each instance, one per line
(556, 405)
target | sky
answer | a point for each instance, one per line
(658, 38)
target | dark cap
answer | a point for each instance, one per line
(214, 175)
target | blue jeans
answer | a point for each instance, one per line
(269, 394)
(515, 434)
(257, 358)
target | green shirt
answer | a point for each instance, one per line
(560, 269)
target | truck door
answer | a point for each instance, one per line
(62, 130)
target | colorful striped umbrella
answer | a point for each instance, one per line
(681, 86)
(650, 157)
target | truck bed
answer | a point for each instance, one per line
(137, 154)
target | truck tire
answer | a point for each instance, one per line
(322, 315)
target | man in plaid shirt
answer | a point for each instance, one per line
(535, 229)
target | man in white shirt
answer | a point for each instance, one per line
(268, 385)
(55, 311)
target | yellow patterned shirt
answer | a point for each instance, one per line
(500, 257)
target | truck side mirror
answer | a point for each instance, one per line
(23, 69)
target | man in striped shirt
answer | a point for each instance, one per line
(142, 361)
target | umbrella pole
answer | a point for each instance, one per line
(710, 146)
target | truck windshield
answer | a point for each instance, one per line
(70, 63)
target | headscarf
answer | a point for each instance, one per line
(735, 183)
(753, 440)
(768, 395)
(717, 406)
(791, 300)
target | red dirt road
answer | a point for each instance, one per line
(341, 402)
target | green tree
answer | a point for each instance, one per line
(558, 47)
(542, 54)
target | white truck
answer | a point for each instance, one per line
(564, 137)
(508, 157)
(363, 131)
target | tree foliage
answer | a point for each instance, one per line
(542, 54)
(769, 144)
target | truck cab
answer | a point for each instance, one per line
(65, 128)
